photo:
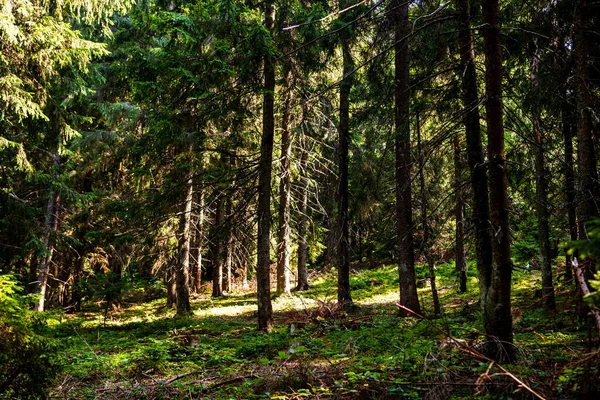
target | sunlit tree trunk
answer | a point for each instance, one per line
(303, 220)
(183, 267)
(459, 241)
(406, 263)
(217, 249)
(283, 233)
(263, 271)
(497, 317)
(197, 271)
(50, 231)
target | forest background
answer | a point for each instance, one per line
(201, 150)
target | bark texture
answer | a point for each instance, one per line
(570, 185)
(285, 186)
(459, 203)
(183, 267)
(344, 295)
(263, 276)
(302, 283)
(406, 266)
(197, 271)
(497, 317)
(217, 249)
(50, 230)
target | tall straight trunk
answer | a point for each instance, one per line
(303, 220)
(217, 249)
(497, 317)
(228, 281)
(344, 295)
(475, 159)
(459, 236)
(541, 192)
(172, 283)
(263, 270)
(285, 186)
(183, 267)
(197, 271)
(50, 230)
(425, 246)
(570, 185)
(406, 262)
(587, 190)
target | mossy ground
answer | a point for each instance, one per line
(316, 350)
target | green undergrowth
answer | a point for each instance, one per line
(317, 350)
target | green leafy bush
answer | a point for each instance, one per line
(26, 359)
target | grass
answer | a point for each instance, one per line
(317, 350)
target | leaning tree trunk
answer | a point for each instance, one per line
(303, 219)
(406, 262)
(497, 317)
(344, 296)
(183, 267)
(587, 190)
(425, 246)
(263, 270)
(50, 230)
(541, 192)
(459, 245)
(217, 249)
(475, 159)
(283, 234)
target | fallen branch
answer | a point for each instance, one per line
(473, 352)
(585, 290)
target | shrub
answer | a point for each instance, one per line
(26, 359)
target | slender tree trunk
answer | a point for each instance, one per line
(425, 247)
(172, 284)
(587, 190)
(283, 234)
(497, 313)
(228, 282)
(406, 260)
(570, 185)
(197, 272)
(459, 246)
(475, 159)
(263, 270)
(217, 250)
(541, 190)
(50, 231)
(303, 221)
(344, 295)
(183, 267)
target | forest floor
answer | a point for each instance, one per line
(142, 351)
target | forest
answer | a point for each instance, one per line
(286, 199)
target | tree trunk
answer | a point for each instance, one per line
(197, 272)
(171, 284)
(406, 263)
(497, 317)
(459, 245)
(541, 192)
(475, 159)
(283, 234)
(587, 190)
(425, 246)
(303, 220)
(570, 185)
(344, 296)
(228, 281)
(217, 249)
(183, 267)
(263, 270)
(50, 231)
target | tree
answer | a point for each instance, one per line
(263, 276)
(404, 223)
(497, 317)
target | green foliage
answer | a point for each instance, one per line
(589, 249)
(27, 360)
